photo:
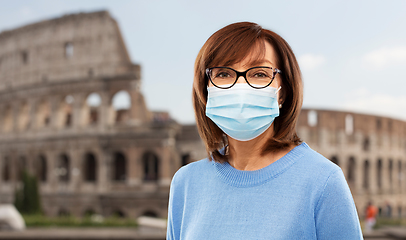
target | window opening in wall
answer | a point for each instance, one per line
(366, 144)
(23, 117)
(42, 168)
(399, 211)
(68, 50)
(400, 174)
(24, 57)
(6, 170)
(366, 175)
(68, 110)
(63, 213)
(90, 168)
(88, 213)
(312, 118)
(64, 168)
(351, 171)
(43, 114)
(119, 167)
(8, 120)
(93, 101)
(118, 214)
(150, 214)
(378, 124)
(390, 172)
(185, 159)
(334, 159)
(150, 162)
(379, 173)
(349, 124)
(21, 166)
(121, 103)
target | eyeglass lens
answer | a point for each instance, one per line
(225, 77)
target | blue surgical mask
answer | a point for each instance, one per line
(242, 112)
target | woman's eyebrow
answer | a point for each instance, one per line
(261, 62)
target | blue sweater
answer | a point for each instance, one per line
(300, 196)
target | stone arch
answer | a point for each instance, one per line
(23, 116)
(366, 170)
(121, 103)
(399, 211)
(379, 173)
(390, 173)
(65, 112)
(150, 165)
(399, 174)
(63, 212)
(366, 144)
(334, 159)
(6, 169)
(41, 168)
(186, 159)
(89, 212)
(90, 167)
(119, 167)
(312, 118)
(64, 168)
(150, 213)
(351, 170)
(43, 114)
(92, 108)
(118, 213)
(8, 119)
(20, 168)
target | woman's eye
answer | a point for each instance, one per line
(223, 75)
(260, 75)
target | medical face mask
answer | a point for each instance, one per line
(242, 112)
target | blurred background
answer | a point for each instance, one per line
(96, 111)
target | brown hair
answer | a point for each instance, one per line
(231, 45)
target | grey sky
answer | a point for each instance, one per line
(352, 53)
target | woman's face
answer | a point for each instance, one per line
(268, 61)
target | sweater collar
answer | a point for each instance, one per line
(240, 178)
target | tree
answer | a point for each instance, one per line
(27, 198)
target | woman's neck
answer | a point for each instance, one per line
(246, 155)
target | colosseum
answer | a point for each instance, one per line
(371, 151)
(60, 80)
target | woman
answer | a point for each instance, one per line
(259, 181)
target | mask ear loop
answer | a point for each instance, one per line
(277, 90)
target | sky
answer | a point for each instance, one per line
(352, 54)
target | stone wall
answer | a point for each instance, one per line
(371, 150)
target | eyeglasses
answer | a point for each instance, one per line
(256, 77)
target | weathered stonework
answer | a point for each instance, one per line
(87, 158)
(371, 151)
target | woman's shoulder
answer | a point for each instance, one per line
(191, 170)
(316, 162)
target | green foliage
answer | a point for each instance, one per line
(27, 198)
(37, 220)
(381, 222)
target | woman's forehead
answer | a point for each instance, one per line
(259, 55)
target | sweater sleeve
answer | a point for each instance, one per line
(335, 213)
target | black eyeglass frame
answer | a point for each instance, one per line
(275, 71)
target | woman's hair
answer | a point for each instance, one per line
(231, 45)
